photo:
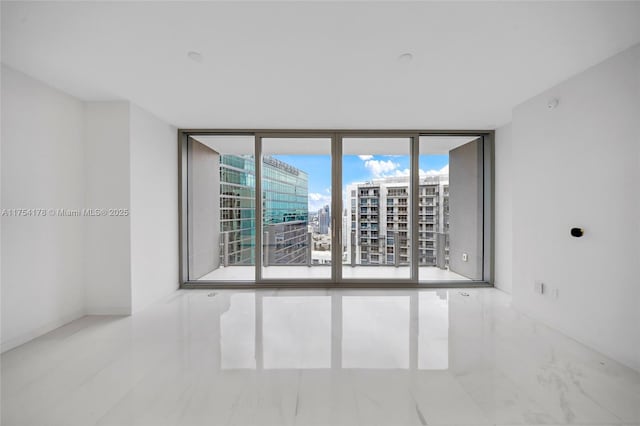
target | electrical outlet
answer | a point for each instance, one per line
(538, 287)
(465, 257)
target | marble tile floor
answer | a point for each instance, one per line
(315, 357)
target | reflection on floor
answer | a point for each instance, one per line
(322, 357)
(246, 273)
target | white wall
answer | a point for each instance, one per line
(42, 157)
(154, 208)
(203, 209)
(579, 165)
(107, 239)
(503, 176)
(59, 152)
(465, 209)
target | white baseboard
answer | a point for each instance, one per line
(39, 331)
(114, 310)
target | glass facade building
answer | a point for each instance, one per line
(285, 211)
(237, 209)
(285, 192)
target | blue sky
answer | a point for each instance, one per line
(355, 168)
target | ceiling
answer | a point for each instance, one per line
(228, 144)
(315, 64)
(442, 144)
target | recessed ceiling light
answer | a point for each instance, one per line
(195, 56)
(405, 58)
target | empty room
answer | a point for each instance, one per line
(320, 213)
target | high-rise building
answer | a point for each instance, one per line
(237, 209)
(380, 222)
(284, 207)
(324, 220)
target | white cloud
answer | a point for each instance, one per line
(403, 172)
(317, 201)
(422, 173)
(365, 157)
(380, 168)
(442, 171)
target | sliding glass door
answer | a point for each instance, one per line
(295, 200)
(335, 208)
(376, 179)
(220, 211)
(450, 208)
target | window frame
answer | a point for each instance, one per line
(336, 281)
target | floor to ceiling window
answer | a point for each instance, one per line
(450, 208)
(296, 212)
(335, 208)
(377, 199)
(221, 220)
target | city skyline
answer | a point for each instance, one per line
(295, 234)
(357, 168)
